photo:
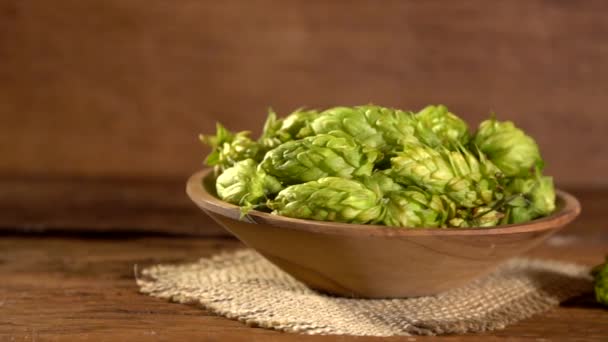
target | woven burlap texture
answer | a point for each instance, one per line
(243, 285)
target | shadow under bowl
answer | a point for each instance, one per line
(374, 261)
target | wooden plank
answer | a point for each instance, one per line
(70, 288)
(34, 205)
(85, 205)
(123, 87)
(159, 206)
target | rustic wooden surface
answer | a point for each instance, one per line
(128, 205)
(123, 87)
(96, 94)
(80, 286)
(42, 205)
(72, 288)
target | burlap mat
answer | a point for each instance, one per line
(244, 286)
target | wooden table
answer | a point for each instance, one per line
(65, 280)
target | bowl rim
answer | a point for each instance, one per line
(568, 208)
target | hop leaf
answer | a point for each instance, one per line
(322, 155)
(245, 184)
(600, 275)
(436, 126)
(271, 136)
(377, 127)
(229, 148)
(328, 199)
(415, 208)
(294, 126)
(508, 147)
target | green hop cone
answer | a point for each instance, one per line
(396, 126)
(297, 124)
(380, 182)
(600, 277)
(377, 127)
(482, 216)
(246, 185)
(294, 126)
(422, 166)
(457, 174)
(508, 147)
(436, 126)
(322, 155)
(486, 217)
(229, 148)
(476, 182)
(530, 198)
(328, 199)
(414, 207)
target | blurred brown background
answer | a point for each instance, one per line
(111, 91)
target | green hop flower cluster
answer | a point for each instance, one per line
(600, 277)
(380, 182)
(295, 126)
(457, 174)
(372, 126)
(322, 155)
(329, 199)
(530, 198)
(436, 126)
(415, 207)
(377, 165)
(245, 184)
(514, 152)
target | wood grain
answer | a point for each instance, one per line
(160, 206)
(40, 205)
(70, 288)
(121, 88)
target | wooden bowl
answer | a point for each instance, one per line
(373, 261)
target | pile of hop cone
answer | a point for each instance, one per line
(376, 165)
